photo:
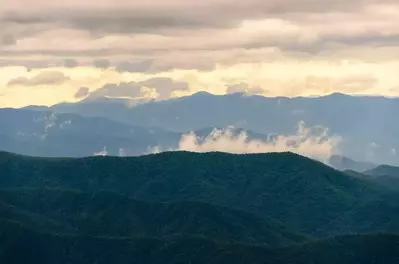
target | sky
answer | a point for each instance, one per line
(56, 51)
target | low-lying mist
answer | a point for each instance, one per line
(314, 142)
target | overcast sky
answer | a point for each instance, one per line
(53, 51)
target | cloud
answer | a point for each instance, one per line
(103, 152)
(43, 78)
(122, 152)
(273, 47)
(313, 142)
(356, 83)
(82, 92)
(102, 63)
(371, 150)
(125, 27)
(160, 88)
(129, 90)
(165, 87)
(393, 152)
(132, 16)
(134, 66)
(8, 40)
(70, 63)
(244, 88)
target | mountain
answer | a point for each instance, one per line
(343, 163)
(383, 170)
(384, 175)
(104, 214)
(282, 186)
(51, 134)
(366, 124)
(19, 244)
(182, 207)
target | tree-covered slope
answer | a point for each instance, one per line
(19, 244)
(110, 215)
(303, 194)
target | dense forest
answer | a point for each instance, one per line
(182, 207)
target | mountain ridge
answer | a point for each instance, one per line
(284, 186)
(343, 115)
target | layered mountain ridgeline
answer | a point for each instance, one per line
(383, 170)
(304, 195)
(51, 134)
(385, 175)
(45, 133)
(362, 121)
(110, 215)
(19, 244)
(344, 163)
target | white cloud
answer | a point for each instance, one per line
(313, 142)
(394, 152)
(122, 152)
(103, 152)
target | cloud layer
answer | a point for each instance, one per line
(273, 47)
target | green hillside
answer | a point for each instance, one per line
(110, 215)
(182, 207)
(303, 194)
(18, 244)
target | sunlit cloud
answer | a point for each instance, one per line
(273, 47)
(313, 142)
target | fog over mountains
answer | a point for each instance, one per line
(361, 128)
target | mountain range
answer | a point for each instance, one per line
(183, 207)
(366, 124)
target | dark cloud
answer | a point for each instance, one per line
(43, 78)
(153, 29)
(70, 63)
(8, 40)
(135, 66)
(102, 63)
(82, 92)
(158, 16)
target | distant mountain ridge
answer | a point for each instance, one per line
(367, 124)
(46, 133)
(52, 134)
(344, 163)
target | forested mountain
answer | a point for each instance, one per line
(182, 207)
(22, 245)
(105, 214)
(283, 186)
